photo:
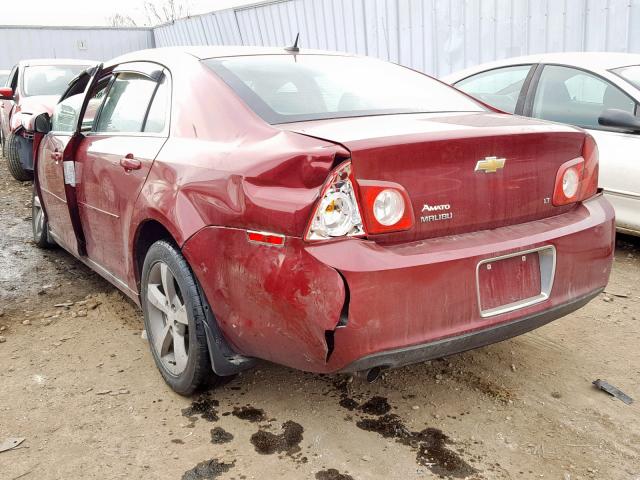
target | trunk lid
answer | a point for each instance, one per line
(435, 158)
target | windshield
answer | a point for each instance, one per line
(630, 74)
(293, 88)
(49, 79)
(3, 78)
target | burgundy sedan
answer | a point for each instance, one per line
(326, 212)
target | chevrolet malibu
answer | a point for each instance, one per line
(326, 212)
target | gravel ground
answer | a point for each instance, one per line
(78, 383)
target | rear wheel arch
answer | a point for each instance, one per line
(147, 233)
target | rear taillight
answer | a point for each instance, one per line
(577, 179)
(386, 206)
(338, 212)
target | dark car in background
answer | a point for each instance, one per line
(32, 86)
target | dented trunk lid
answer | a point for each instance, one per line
(435, 157)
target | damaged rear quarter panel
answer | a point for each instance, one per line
(268, 181)
(271, 302)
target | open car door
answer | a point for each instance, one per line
(55, 164)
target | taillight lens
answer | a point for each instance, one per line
(386, 206)
(571, 182)
(337, 213)
(577, 179)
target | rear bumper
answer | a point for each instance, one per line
(451, 345)
(352, 304)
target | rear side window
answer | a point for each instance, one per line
(576, 97)
(291, 88)
(157, 116)
(126, 104)
(499, 88)
(631, 74)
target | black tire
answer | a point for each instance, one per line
(13, 160)
(39, 224)
(198, 372)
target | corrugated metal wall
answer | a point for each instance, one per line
(435, 36)
(18, 43)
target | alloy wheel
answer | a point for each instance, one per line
(168, 319)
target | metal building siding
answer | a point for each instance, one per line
(434, 36)
(19, 43)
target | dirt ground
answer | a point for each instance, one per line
(79, 384)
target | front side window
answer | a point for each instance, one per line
(499, 88)
(573, 96)
(93, 105)
(49, 79)
(291, 88)
(65, 114)
(125, 107)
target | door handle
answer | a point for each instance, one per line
(57, 156)
(129, 163)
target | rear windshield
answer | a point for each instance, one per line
(49, 79)
(294, 88)
(630, 74)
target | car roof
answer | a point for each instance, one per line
(169, 55)
(595, 61)
(55, 61)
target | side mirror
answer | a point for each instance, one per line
(6, 93)
(42, 123)
(613, 117)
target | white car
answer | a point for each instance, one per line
(596, 91)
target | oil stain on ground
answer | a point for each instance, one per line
(203, 406)
(267, 443)
(220, 435)
(430, 445)
(376, 406)
(332, 474)
(249, 413)
(207, 470)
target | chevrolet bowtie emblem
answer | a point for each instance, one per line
(490, 164)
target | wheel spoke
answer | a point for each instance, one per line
(181, 315)
(156, 298)
(164, 341)
(168, 284)
(179, 351)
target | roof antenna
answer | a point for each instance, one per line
(294, 48)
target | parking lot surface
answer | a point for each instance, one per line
(78, 383)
